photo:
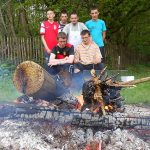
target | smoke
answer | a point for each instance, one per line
(78, 80)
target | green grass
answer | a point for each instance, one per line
(8, 92)
(141, 93)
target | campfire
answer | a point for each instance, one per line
(57, 118)
(100, 94)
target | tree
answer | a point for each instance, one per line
(23, 17)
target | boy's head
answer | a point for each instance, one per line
(74, 18)
(86, 37)
(50, 15)
(62, 39)
(63, 16)
(94, 13)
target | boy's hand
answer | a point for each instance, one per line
(66, 58)
(49, 51)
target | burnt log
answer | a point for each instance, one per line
(108, 88)
(34, 81)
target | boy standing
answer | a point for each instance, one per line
(74, 29)
(63, 20)
(97, 30)
(49, 32)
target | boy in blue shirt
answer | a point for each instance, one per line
(97, 30)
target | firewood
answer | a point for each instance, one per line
(32, 80)
(135, 81)
(105, 90)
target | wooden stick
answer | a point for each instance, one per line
(135, 81)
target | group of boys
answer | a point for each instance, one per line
(74, 43)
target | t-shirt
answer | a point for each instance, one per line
(96, 29)
(50, 32)
(61, 26)
(63, 52)
(87, 55)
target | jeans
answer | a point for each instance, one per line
(82, 67)
(102, 50)
(56, 69)
(47, 56)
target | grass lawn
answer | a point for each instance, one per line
(7, 90)
(139, 94)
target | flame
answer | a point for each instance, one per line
(96, 110)
(94, 145)
(80, 101)
(109, 108)
(17, 101)
(106, 108)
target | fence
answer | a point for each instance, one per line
(19, 49)
(119, 57)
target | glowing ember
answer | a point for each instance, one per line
(93, 145)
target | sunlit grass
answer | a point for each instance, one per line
(141, 93)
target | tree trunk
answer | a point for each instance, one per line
(11, 18)
(24, 22)
(2, 24)
(32, 80)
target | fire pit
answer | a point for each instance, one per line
(18, 134)
(97, 119)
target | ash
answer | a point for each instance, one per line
(37, 135)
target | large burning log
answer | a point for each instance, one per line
(32, 80)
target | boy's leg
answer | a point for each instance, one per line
(99, 66)
(78, 67)
(46, 61)
(102, 50)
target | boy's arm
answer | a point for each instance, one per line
(70, 59)
(53, 61)
(76, 56)
(42, 33)
(98, 55)
(104, 31)
(84, 27)
(45, 44)
(104, 35)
